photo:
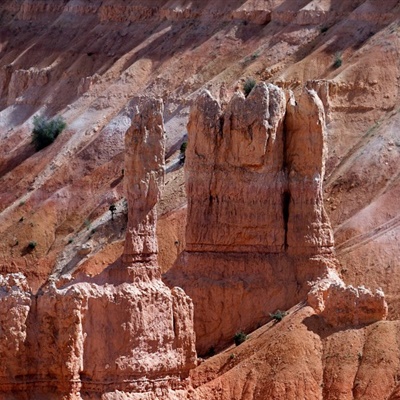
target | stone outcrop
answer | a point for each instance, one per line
(122, 333)
(257, 233)
(346, 306)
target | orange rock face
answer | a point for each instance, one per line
(257, 233)
(121, 332)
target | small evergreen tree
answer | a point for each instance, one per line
(248, 86)
(182, 154)
(112, 209)
(239, 338)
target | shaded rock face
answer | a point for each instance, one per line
(122, 333)
(257, 233)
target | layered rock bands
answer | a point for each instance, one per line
(257, 233)
(122, 334)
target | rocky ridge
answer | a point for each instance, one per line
(74, 59)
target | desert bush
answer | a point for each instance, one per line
(182, 154)
(32, 244)
(239, 338)
(45, 131)
(337, 62)
(278, 315)
(248, 86)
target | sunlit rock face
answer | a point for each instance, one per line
(257, 234)
(122, 332)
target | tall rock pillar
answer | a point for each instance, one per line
(144, 166)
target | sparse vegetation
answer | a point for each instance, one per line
(278, 315)
(112, 209)
(45, 131)
(338, 61)
(248, 86)
(70, 241)
(32, 244)
(324, 29)
(239, 338)
(182, 155)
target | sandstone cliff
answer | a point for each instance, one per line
(123, 334)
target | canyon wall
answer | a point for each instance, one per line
(122, 333)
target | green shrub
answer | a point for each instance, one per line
(248, 86)
(45, 131)
(32, 244)
(182, 155)
(239, 338)
(337, 62)
(278, 315)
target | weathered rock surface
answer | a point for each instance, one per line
(122, 334)
(257, 233)
(86, 61)
(144, 163)
(346, 306)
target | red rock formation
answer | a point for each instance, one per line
(345, 306)
(257, 233)
(144, 163)
(123, 331)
